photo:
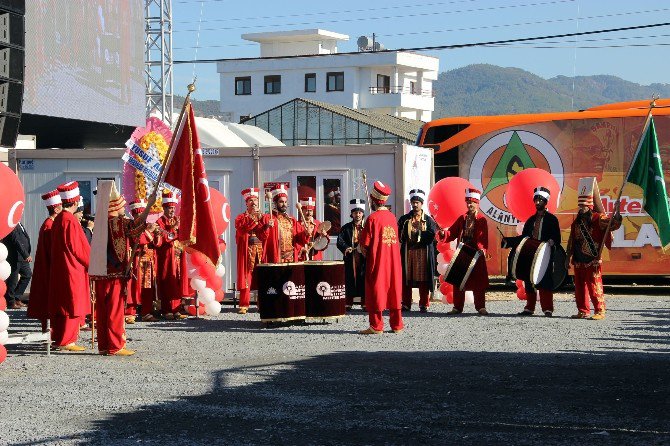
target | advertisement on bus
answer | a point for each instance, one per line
(601, 147)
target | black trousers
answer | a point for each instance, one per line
(17, 286)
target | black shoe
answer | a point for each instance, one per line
(525, 313)
(405, 308)
(423, 309)
(548, 314)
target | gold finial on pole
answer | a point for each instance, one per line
(191, 87)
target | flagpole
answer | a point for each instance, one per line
(161, 175)
(645, 128)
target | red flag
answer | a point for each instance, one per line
(187, 172)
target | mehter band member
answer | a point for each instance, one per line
(171, 260)
(309, 225)
(587, 233)
(417, 233)
(354, 262)
(249, 246)
(383, 270)
(471, 229)
(280, 232)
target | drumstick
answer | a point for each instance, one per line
(304, 222)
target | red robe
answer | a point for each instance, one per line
(38, 305)
(111, 290)
(143, 280)
(479, 279)
(292, 233)
(309, 235)
(171, 266)
(383, 267)
(70, 253)
(245, 227)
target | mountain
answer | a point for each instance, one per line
(483, 89)
(206, 108)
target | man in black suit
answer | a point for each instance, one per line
(18, 256)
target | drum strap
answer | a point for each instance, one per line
(592, 245)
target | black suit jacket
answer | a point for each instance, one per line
(18, 244)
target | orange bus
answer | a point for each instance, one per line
(599, 142)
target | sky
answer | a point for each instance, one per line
(212, 29)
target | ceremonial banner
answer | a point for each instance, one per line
(186, 171)
(97, 265)
(647, 172)
(418, 169)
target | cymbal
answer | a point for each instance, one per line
(324, 226)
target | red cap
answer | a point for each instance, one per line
(52, 198)
(69, 193)
(308, 203)
(380, 191)
(473, 195)
(169, 199)
(250, 192)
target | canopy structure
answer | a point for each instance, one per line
(214, 133)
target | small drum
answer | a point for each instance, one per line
(531, 260)
(325, 293)
(281, 291)
(461, 266)
(321, 242)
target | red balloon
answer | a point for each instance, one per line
(3, 288)
(519, 194)
(198, 259)
(3, 353)
(443, 246)
(448, 255)
(3, 303)
(221, 210)
(446, 200)
(214, 282)
(218, 295)
(191, 310)
(447, 291)
(521, 290)
(12, 200)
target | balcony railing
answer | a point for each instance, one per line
(402, 90)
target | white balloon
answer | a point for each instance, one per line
(5, 270)
(206, 295)
(220, 270)
(4, 321)
(441, 259)
(4, 337)
(469, 297)
(3, 252)
(442, 268)
(213, 308)
(519, 228)
(198, 283)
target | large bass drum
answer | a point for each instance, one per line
(325, 292)
(461, 266)
(281, 291)
(531, 260)
(560, 272)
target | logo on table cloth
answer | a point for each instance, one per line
(290, 289)
(503, 156)
(271, 290)
(323, 289)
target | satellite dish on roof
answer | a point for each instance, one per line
(364, 43)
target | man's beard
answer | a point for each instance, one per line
(585, 215)
(281, 209)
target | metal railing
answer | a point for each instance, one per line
(402, 90)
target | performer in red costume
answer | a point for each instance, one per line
(383, 270)
(171, 261)
(143, 279)
(249, 246)
(69, 293)
(587, 233)
(38, 305)
(280, 232)
(471, 229)
(309, 226)
(111, 290)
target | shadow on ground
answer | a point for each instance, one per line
(613, 398)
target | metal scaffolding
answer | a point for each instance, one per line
(158, 58)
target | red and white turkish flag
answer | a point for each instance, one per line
(186, 171)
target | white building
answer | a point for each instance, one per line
(394, 82)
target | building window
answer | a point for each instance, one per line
(383, 83)
(272, 84)
(242, 85)
(335, 81)
(310, 82)
(412, 88)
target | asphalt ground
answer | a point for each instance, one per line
(468, 379)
